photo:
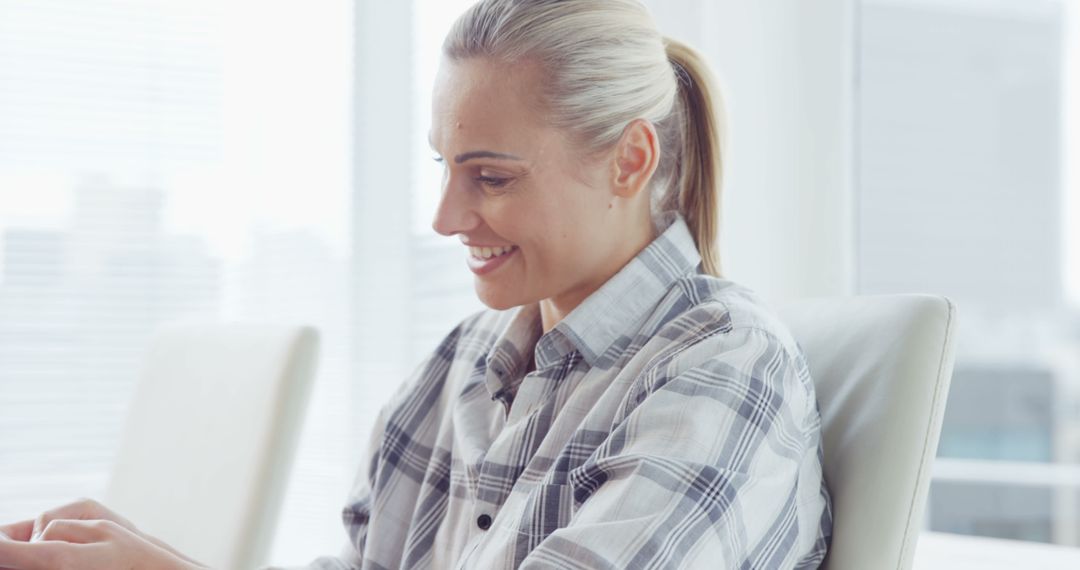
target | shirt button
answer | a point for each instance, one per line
(484, 522)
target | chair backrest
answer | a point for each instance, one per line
(881, 366)
(210, 436)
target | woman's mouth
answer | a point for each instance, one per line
(483, 260)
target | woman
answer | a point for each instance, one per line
(621, 405)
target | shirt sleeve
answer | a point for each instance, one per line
(716, 463)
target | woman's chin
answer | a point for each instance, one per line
(496, 297)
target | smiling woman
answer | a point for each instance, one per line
(548, 200)
(613, 362)
(618, 403)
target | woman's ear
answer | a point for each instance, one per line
(636, 157)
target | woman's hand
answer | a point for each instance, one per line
(84, 534)
(81, 510)
(88, 545)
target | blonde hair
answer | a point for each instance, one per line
(607, 65)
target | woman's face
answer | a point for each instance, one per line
(512, 182)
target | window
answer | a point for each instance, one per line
(163, 161)
(962, 190)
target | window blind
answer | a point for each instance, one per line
(165, 161)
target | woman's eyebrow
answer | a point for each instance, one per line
(484, 154)
(477, 154)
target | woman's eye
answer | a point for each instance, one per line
(492, 181)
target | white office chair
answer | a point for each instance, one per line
(210, 437)
(882, 366)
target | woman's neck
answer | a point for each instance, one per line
(554, 309)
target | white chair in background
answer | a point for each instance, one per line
(881, 366)
(212, 430)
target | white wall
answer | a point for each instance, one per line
(786, 68)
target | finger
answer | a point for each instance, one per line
(18, 531)
(33, 555)
(80, 509)
(78, 532)
(40, 522)
(39, 525)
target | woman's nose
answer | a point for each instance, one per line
(456, 213)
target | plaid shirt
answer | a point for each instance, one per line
(670, 422)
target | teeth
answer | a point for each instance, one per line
(489, 252)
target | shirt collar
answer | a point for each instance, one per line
(614, 311)
(620, 306)
(508, 358)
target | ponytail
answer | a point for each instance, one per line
(699, 114)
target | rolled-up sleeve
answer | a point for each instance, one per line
(715, 463)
